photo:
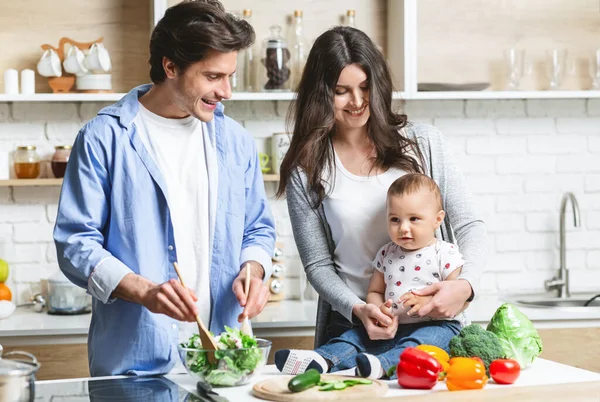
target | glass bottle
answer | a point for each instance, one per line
(27, 162)
(275, 70)
(351, 18)
(300, 47)
(248, 68)
(236, 79)
(60, 159)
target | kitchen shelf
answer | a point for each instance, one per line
(434, 95)
(30, 182)
(58, 182)
(70, 97)
(288, 96)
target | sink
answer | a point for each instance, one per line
(549, 300)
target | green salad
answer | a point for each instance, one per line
(237, 357)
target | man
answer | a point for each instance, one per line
(163, 176)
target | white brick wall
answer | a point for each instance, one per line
(518, 157)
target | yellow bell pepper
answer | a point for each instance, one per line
(465, 373)
(441, 355)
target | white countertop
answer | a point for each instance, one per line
(541, 372)
(285, 318)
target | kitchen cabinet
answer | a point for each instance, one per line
(424, 40)
(125, 26)
(58, 360)
(437, 41)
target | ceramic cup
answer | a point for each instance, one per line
(49, 64)
(74, 61)
(263, 159)
(98, 59)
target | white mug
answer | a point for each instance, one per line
(74, 61)
(280, 143)
(98, 59)
(49, 64)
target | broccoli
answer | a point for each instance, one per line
(475, 341)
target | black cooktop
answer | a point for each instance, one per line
(144, 389)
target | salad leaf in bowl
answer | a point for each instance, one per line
(239, 358)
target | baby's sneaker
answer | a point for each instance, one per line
(296, 361)
(368, 366)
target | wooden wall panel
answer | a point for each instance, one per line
(318, 16)
(124, 24)
(463, 41)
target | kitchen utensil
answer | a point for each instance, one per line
(514, 66)
(246, 328)
(65, 298)
(208, 342)
(276, 389)
(38, 302)
(17, 377)
(234, 366)
(205, 391)
(556, 65)
(98, 59)
(49, 64)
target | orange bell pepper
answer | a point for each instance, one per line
(441, 355)
(465, 373)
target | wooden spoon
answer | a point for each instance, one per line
(208, 342)
(246, 328)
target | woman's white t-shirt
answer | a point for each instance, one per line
(356, 212)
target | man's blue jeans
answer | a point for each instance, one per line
(342, 350)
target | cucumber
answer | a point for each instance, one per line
(304, 381)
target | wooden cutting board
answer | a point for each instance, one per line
(276, 389)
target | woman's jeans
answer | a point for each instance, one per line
(341, 350)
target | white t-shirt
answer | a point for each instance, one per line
(405, 271)
(177, 147)
(356, 213)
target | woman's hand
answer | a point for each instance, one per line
(448, 298)
(377, 324)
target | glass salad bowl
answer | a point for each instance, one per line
(239, 358)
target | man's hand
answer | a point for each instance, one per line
(413, 301)
(169, 298)
(258, 294)
(448, 298)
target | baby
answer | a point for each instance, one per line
(413, 259)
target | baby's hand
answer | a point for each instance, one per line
(386, 308)
(414, 302)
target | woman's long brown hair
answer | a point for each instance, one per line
(312, 113)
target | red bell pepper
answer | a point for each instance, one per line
(417, 369)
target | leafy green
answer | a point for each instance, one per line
(238, 356)
(474, 341)
(518, 337)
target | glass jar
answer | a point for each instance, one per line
(60, 159)
(275, 69)
(27, 162)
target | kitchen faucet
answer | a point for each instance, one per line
(562, 282)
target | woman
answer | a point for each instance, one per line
(347, 147)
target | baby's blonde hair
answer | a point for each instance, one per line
(413, 182)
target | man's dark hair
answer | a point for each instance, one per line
(189, 30)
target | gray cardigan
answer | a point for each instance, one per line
(315, 245)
